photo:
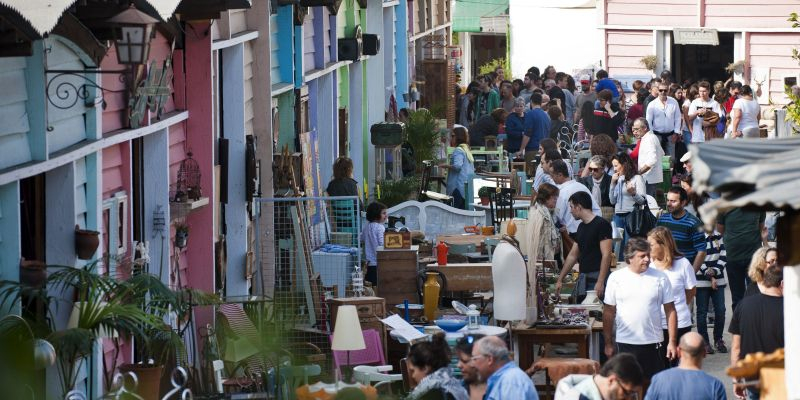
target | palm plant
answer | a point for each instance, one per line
(102, 308)
(422, 134)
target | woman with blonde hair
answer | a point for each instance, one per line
(763, 258)
(665, 257)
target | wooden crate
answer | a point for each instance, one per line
(397, 276)
(370, 311)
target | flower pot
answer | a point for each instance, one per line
(32, 273)
(485, 201)
(149, 377)
(86, 243)
(181, 239)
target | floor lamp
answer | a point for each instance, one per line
(347, 333)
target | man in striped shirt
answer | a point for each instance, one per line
(686, 229)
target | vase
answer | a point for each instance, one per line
(148, 377)
(86, 242)
(430, 295)
(485, 201)
(32, 273)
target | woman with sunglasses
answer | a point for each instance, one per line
(627, 189)
(429, 368)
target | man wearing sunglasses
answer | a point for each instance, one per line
(620, 378)
(664, 118)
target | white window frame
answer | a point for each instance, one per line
(117, 202)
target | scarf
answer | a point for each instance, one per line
(543, 243)
(441, 379)
(465, 147)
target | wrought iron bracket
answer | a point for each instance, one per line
(63, 92)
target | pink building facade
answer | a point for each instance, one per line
(751, 31)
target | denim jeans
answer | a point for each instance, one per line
(718, 297)
(737, 279)
(619, 221)
(687, 137)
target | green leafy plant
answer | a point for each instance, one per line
(422, 134)
(395, 192)
(484, 191)
(793, 108)
(492, 65)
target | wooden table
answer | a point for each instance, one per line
(527, 338)
(475, 277)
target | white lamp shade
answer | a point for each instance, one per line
(238, 349)
(347, 333)
(74, 318)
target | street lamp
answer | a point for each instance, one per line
(133, 35)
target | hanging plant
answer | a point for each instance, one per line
(181, 235)
(736, 67)
(649, 62)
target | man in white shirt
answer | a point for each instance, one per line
(631, 314)
(698, 110)
(650, 155)
(664, 118)
(566, 188)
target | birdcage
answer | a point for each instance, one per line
(188, 185)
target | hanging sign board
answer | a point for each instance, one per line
(702, 36)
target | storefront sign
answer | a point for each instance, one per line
(700, 36)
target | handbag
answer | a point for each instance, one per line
(640, 221)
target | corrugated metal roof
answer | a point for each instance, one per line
(759, 173)
(43, 15)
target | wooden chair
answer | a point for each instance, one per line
(423, 193)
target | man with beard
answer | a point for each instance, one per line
(687, 230)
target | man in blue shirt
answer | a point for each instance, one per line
(504, 379)
(686, 229)
(537, 126)
(687, 380)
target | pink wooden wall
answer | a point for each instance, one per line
(772, 52)
(734, 14)
(740, 14)
(655, 13)
(625, 49)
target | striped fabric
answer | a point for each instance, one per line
(239, 324)
(687, 232)
(715, 259)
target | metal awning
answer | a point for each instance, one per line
(747, 173)
(42, 15)
(468, 13)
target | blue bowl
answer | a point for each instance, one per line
(450, 325)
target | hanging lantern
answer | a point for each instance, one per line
(133, 33)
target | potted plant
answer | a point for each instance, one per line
(422, 134)
(649, 62)
(86, 242)
(181, 235)
(483, 193)
(101, 309)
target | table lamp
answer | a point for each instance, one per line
(347, 333)
(238, 349)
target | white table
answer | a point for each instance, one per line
(486, 330)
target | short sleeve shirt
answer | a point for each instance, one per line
(638, 299)
(681, 278)
(588, 238)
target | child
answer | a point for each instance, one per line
(373, 238)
